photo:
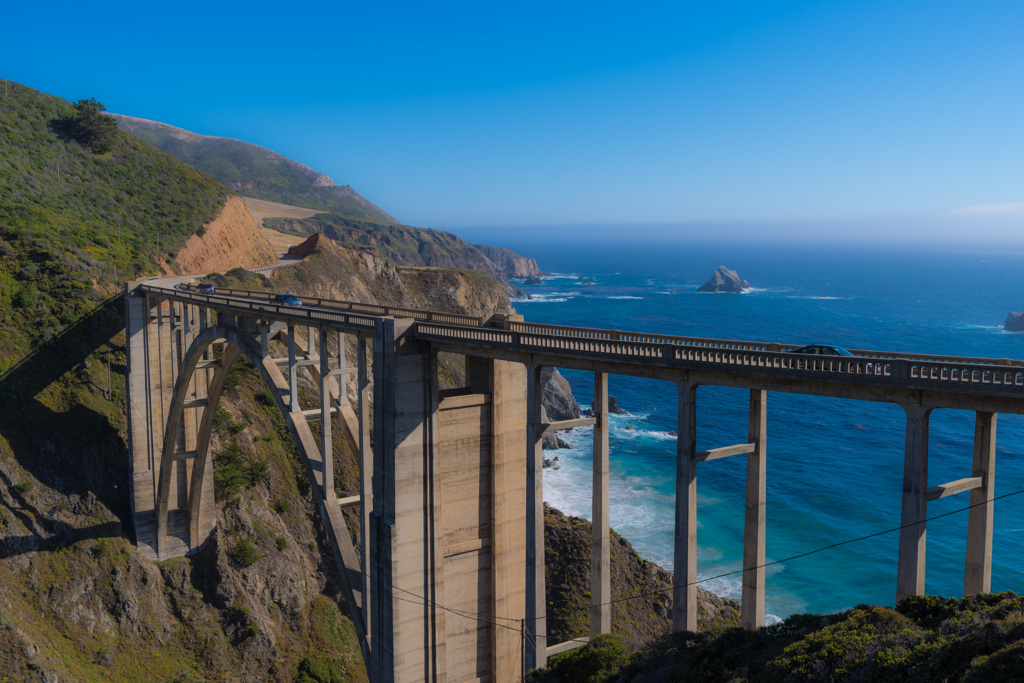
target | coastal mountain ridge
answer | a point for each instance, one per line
(255, 171)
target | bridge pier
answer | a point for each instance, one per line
(913, 528)
(448, 521)
(536, 588)
(978, 569)
(684, 593)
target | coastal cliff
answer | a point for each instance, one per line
(232, 240)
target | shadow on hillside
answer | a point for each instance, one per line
(67, 443)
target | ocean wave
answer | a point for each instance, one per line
(549, 298)
(625, 296)
(813, 297)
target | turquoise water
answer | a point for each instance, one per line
(835, 467)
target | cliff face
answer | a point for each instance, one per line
(511, 263)
(232, 240)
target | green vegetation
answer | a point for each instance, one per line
(244, 552)
(974, 639)
(598, 661)
(255, 171)
(331, 658)
(89, 127)
(73, 213)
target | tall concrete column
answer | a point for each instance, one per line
(600, 544)
(365, 477)
(293, 372)
(327, 445)
(910, 572)
(752, 603)
(408, 633)
(978, 569)
(507, 515)
(536, 595)
(684, 593)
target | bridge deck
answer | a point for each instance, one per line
(869, 375)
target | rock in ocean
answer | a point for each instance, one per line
(724, 280)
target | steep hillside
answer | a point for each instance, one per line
(971, 640)
(255, 171)
(72, 218)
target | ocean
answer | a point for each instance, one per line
(835, 467)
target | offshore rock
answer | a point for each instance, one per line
(724, 280)
(1014, 322)
(613, 408)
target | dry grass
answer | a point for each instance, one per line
(261, 209)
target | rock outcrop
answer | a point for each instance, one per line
(308, 246)
(232, 240)
(511, 263)
(613, 408)
(557, 404)
(724, 280)
(1014, 322)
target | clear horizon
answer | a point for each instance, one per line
(831, 122)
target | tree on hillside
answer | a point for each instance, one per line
(89, 127)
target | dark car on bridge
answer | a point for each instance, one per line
(287, 300)
(825, 350)
(206, 288)
(822, 350)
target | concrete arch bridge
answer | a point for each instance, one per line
(447, 581)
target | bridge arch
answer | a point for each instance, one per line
(200, 492)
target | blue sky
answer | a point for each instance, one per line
(898, 117)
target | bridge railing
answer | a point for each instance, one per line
(294, 313)
(355, 307)
(915, 371)
(966, 375)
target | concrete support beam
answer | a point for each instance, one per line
(568, 424)
(600, 544)
(952, 488)
(910, 571)
(536, 591)
(684, 593)
(752, 599)
(978, 568)
(725, 452)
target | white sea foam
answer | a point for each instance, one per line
(624, 296)
(815, 297)
(548, 298)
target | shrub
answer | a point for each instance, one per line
(244, 552)
(598, 661)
